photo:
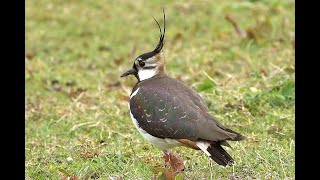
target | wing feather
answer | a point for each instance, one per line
(173, 110)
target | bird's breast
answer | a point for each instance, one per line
(161, 143)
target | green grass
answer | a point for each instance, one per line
(77, 105)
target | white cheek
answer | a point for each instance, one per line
(146, 73)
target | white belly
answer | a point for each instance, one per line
(163, 144)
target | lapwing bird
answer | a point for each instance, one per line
(168, 113)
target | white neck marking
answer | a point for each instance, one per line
(134, 93)
(146, 73)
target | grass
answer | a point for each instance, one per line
(77, 105)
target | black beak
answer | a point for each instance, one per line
(129, 72)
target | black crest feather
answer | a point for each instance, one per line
(161, 40)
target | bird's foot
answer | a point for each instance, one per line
(175, 162)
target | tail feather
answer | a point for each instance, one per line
(219, 155)
(239, 136)
(216, 152)
(225, 143)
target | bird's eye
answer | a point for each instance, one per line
(141, 63)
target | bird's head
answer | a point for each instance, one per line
(151, 63)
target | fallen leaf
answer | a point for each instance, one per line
(280, 39)
(64, 172)
(70, 83)
(177, 36)
(56, 85)
(69, 177)
(76, 92)
(274, 128)
(29, 55)
(293, 43)
(240, 32)
(118, 60)
(113, 85)
(94, 176)
(91, 66)
(104, 48)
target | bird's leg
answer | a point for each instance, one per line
(166, 156)
(175, 161)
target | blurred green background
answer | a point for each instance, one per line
(77, 105)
